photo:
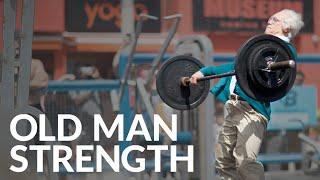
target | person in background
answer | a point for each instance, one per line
(87, 101)
(299, 78)
(314, 131)
(116, 59)
(90, 102)
(38, 83)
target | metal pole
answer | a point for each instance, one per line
(205, 127)
(7, 86)
(127, 27)
(137, 33)
(125, 77)
(145, 98)
(25, 58)
(206, 116)
(207, 138)
(158, 58)
(127, 18)
(8, 63)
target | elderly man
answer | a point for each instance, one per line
(246, 121)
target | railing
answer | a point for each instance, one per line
(82, 98)
(222, 57)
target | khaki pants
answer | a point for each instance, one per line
(239, 142)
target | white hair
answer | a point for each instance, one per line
(293, 22)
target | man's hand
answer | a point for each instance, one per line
(67, 77)
(194, 78)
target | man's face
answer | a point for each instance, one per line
(86, 72)
(127, 39)
(275, 25)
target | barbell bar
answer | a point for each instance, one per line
(273, 66)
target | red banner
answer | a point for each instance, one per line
(245, 15)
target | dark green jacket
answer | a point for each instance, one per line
(221, 88)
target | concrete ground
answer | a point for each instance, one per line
(274, 175)
(283, 175)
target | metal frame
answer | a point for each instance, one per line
(15, 74)
(125, 77)
(157, 59)
(217, 58)
(125, 69)
(7, 83)
(206, 110)
(206, 114)
(96, 85)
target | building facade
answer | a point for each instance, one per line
(68, 32)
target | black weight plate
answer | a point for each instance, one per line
(252, 57)
(169, 85)
(264, 53)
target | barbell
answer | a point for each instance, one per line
(264, 67)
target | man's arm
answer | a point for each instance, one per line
(212, 70)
